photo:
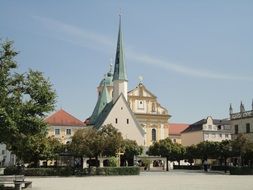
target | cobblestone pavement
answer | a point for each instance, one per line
(173, 180)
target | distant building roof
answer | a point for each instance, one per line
(63, 118)
(177, 128)
(199, 124)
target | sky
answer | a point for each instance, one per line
(195, 56)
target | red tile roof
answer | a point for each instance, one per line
(63, 118)
(177, 128)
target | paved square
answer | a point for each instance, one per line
(174, 180)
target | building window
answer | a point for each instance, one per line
(247, 128)
(174, 140)
(226, 136)
(219, 127)
(153, 135)
(57, 131)
(68, 131)
(3, 152)
(210, 127)
(140, 104)
(116, 120)
(127, 121)
(236, 129)
(220, 135)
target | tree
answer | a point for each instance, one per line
(191, 153)
(224, 151)
(131, 149)
(243, 148)
(162, 148)
(87, 142)
(93, 143)
(177, 152)
(25, 99)
(112, 140)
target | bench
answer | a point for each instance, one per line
(17, 180)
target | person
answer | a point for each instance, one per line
(205, 165)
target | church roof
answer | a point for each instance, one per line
(103, 99)
(106, 111)
(119, 68)
(63, 118)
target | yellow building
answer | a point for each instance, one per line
(149, 113)
(63, 126)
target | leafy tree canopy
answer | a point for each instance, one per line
(25, 99)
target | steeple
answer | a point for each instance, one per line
(120, 82)
(103, 99)
(230, 109)
(242, 109)
(119, 67)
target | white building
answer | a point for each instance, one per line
(208, 129)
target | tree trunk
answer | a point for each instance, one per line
(167, 164)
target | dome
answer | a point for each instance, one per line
(107, 80)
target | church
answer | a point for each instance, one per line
(136, 113)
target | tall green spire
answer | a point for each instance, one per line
(103, 99)
(119, 68)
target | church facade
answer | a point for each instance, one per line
(137, 113)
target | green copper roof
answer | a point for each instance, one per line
(108, 79)
(119, 68)
(103, 99)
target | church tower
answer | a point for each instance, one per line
(120, 81)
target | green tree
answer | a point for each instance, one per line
(177, 152)
(87, 142)
(25, 99)
(162, 148)
(112, 140)
(131, 149)
(243, 148)
(191, 153)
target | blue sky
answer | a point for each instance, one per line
(195, 56)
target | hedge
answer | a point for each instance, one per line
(67, 171)
(241, 171)
(188, 167)
(220, 168)
(60, 171)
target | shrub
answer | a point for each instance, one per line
(220, 168)
(62, 171)
(67, 171)
(113, 162)
(188, 167)
(109, 171)
(241, 171)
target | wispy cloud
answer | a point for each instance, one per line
(89, 39)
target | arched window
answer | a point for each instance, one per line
(153, 134)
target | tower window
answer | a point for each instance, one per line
(153, 134)
(247, 128)
(116, 120)
(127, 121)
